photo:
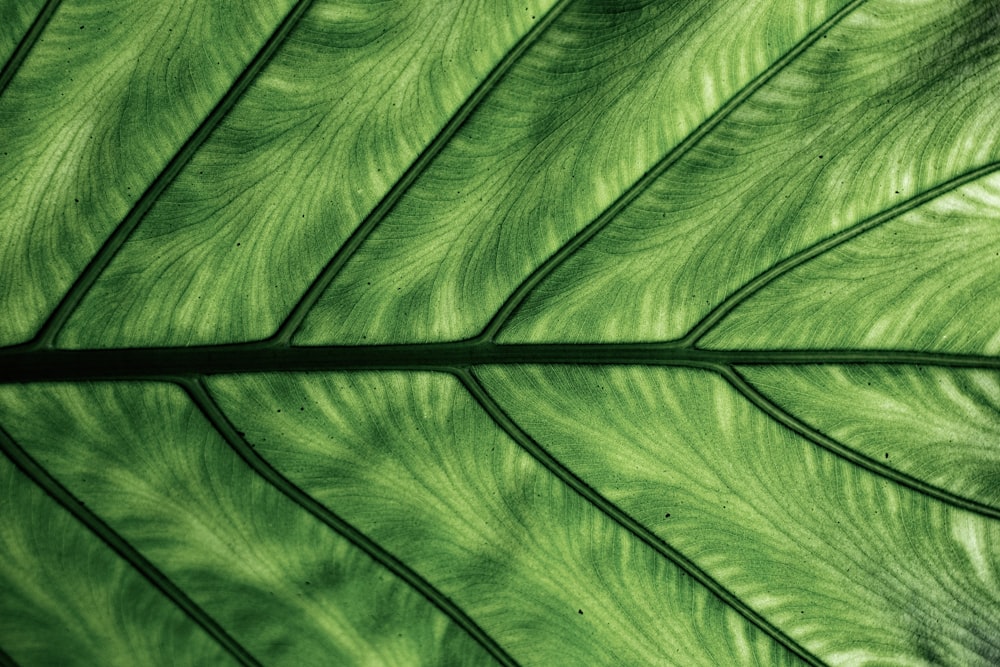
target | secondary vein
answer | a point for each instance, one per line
(796, 260)
(57, 319)
(6, 660)
(27, 42)
(201, 397)
(817, 437)
(41, 477)
(543, 270)
(639, 531)
(301, 309)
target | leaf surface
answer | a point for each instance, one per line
(550, 332)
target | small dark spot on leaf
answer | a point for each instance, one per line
(579, 611)
(667, 515)
(887, 455)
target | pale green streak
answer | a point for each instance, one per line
(937, 424)
(106, 96)
(928, 281)
(605, 93)
(356, 93)
(283, 585)
(896, 99)
(852, 566)
(412, 461)
(67, 599)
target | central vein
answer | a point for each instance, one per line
(31, 365)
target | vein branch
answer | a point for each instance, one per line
(554, 261)
(6, 660)
(27, 42)
(817, 437)
(201, 397)
(71, 299)
(41, 477)
(796, 260)
(297, 315)
(623, 519)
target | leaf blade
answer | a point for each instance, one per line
(822, 546)
(153, 468)
(263, 199)
(935, 424)
(822, 147)
(70, 599)
(102, 114)
(477, 516)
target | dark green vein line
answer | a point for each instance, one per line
(62, 312)
(6, 660)
(27, 42)
(293, 322)
(799, 427)
(623, 519)
(555, 260)
(19, 365)
(882, 357)
(796, 260)
(199, 394)
(37, 474)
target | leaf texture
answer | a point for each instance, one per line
(554, 332)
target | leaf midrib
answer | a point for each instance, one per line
(185, 366)
(18, 365)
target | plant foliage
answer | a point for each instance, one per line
(556, 332)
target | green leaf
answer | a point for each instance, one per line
(551, 332)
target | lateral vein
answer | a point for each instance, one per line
(805, 255)
(43, 479)
(820, 439)
(28, 41)
(51, 328)
(639, 531)
(287, 330)
(201, 397)
(554, 261)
